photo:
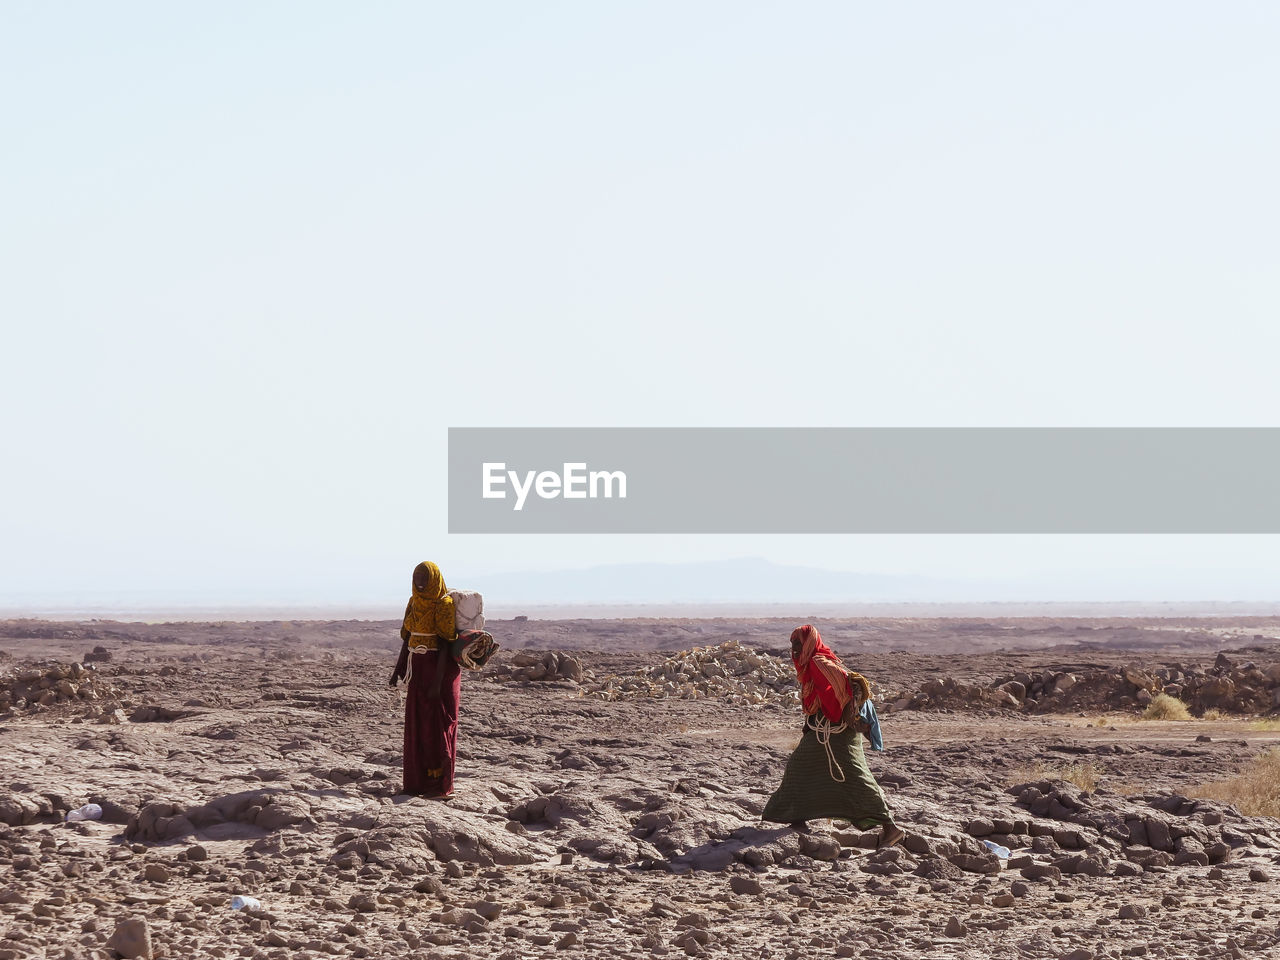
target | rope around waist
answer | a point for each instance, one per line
(422, 642)
(823, 729)
(419, 643)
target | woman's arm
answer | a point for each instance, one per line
(402, 662)
(404, 631)
(853, 718)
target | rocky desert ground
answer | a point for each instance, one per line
(611, 777)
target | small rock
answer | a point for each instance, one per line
(197, 853)
(955, 928)
(1132, 911)
(1218, 852)
(487, 909)
(748, 886)
(462, 918)
(917, 844)
(131, 939)
(1258, 875)
(975, 863)
(429, 885)
(1041, 871)
(156, 873)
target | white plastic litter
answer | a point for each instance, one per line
(245, 903)
(468, 609)
(90, 811)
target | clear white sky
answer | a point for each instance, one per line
(255, 258)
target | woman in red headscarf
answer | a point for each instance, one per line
(827, 776)
(434, 683)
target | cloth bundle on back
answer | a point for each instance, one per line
(468, 610)
(827, 775)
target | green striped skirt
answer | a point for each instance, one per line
(809, 792)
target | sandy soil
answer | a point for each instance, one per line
(263, 759)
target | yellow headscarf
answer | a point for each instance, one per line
(430, 609)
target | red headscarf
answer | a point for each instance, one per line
(826, 684)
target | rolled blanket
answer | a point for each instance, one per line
(473, 648)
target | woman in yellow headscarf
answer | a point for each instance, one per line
(434, 683)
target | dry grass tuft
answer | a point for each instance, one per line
(1266, 724)
(1165, 707)
(1254, 791)
(1126, 788)
(1084, 775)
(1213, 713)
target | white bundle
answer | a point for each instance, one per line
(468, 610)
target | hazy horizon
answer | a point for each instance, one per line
(732, 585)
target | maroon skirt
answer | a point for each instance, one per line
(431, 724)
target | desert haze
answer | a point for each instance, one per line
(611, 774)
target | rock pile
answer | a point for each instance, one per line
(951, 693)
(1227, 686)
(529, 665)
(729, 672)
(47, 684)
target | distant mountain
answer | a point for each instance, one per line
(750, 580)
